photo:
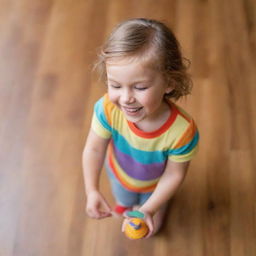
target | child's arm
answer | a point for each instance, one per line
(167, 186)
(93, 158)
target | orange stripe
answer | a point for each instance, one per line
(187, 136)
(183, 115)
(108, 107)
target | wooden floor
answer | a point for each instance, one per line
(47, 92)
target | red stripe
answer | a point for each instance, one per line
(162, 129)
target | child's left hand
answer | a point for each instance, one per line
(147, 218)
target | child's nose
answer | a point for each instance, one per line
(127, 97)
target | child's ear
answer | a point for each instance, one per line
(169, 89)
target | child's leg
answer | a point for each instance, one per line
(125, 199)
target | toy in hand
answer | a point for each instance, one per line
(136, 228)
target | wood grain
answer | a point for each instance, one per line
(47, 92)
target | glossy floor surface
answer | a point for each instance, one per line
(47, 92)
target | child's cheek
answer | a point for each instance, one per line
(146, 100)
(112, 96)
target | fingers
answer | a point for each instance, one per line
(97, 206)
(150, 224)
(125, 222)
(106, 206)
(104, 215)
(106, 211)
(92, 213)
(96, 214)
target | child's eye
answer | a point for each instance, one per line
(141, 88)
(115, 86)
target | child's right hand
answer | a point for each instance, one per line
(97, 206)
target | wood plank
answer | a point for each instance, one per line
(47, 93)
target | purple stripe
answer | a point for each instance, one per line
(137, 170)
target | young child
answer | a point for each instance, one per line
(145, 139)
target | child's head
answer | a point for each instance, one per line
(152, 42)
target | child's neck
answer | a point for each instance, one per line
(151, 124)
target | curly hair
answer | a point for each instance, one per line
(151, 41)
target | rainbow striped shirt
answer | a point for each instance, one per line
(138, 158)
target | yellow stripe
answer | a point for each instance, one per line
(167, 140)
(187, 136)
(184, 158)
(163, 142)
(99, 129)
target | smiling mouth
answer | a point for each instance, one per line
(131, 110)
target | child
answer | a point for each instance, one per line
(145, 139)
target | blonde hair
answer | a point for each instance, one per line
(151, 40)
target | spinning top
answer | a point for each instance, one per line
(136, 228)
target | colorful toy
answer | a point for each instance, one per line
(135, 214)
(136, 228)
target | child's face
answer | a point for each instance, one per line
(137, 89)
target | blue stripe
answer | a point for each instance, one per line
(99, 110)
(143, 157)
(150, 157)
(187, 148)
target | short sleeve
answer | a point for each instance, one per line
(186, 146)
(100, 124)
